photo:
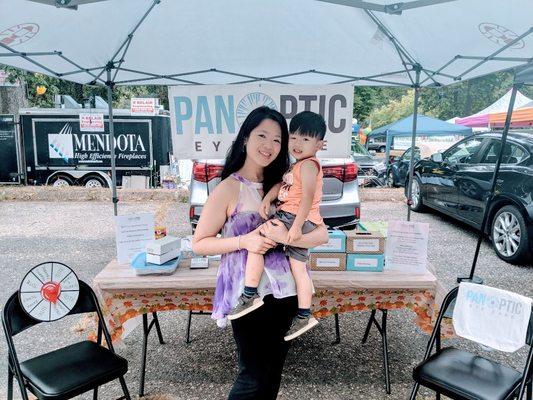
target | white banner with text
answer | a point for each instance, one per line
(206, 119)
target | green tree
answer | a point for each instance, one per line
(393, 111)
(80, 93)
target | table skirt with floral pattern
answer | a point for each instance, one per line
(120, 306)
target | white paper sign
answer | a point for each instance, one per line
(360, 245)
(332, 244)
(328, 262)
(407, 246)
(366, 262)
(91, 122)
(132, 233)
(205, 119)
(142, 106)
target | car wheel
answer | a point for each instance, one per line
(509, 235)
(390, 179)
(61, 181)
(416, 195)
(94, 181)
(382, 149)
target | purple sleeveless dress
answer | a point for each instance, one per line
(276, 279)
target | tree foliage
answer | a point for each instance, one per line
(80, 93)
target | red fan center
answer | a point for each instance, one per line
(51, 291)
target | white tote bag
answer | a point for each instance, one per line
(492, 317)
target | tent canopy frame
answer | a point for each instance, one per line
(410, 64)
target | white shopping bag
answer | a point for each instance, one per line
(492, 317)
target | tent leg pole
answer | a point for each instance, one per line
(413, 143)
(112, 137)
(484, 222)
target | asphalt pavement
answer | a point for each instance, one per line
(81, 235)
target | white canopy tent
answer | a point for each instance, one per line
(502, 104)
(167, 42)
(172, 42)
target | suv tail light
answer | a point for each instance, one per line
(203, 172)
(344, 173)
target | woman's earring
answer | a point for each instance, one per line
(244, 146)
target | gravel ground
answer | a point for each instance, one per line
(81, 235)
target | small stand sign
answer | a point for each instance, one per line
(132, 233)
(143, 106)
(91, 122)
(407, 246)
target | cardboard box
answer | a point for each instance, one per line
(327, 261)
(365, 262)
(163, 245)
(336, 243)
(361, 242)
(159, 259)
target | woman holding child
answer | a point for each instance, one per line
(255, 285)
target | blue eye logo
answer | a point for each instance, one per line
(250, 102)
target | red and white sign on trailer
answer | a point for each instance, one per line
(143, 106)
(90, 122)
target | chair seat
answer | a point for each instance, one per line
(72, 370)
(461, 375)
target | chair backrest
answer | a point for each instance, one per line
(16, 320)
(493, 317)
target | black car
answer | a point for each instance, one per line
(457, 182)
(398, 171)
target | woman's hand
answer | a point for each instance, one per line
(264, 210)
(275, 230)
(295, 234)
(256, 243)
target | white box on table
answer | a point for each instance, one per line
(162, 258)
(163, 245)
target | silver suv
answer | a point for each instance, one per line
(340, 206)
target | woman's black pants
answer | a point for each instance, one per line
(261, 348)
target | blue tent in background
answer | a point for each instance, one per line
(425, 126)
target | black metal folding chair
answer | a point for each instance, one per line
(459, 374)
(66, 372)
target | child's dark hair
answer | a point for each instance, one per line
(308, 123)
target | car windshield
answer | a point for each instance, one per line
(357, 148)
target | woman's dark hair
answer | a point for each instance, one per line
(236, 155)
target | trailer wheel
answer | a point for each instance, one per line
(94, 181)
(61, 181)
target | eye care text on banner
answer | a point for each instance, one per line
(205, 119)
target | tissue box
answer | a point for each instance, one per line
(361, 242)
(327, 261)
(163, 245)
(336, 243)
(365, 262)
(162, 258)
